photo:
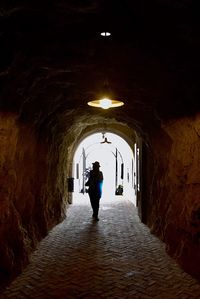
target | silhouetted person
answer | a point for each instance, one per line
(95, 182)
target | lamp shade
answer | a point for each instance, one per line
(106, 100)
(105, 103)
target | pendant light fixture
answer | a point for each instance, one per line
(106, 103)
(106, 99)
(105, 139)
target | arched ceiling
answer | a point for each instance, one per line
(53, 59)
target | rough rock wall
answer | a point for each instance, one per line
(31, 195)
(174, 206)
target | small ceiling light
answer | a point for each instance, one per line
(105, 33)
(105, 103)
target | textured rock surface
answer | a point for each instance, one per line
(34, 168)
(30, 202)
(175, 215)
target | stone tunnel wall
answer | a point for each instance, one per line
(33, 189)
(31, 193)
(174, 205)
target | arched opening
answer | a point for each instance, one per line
(118, 164)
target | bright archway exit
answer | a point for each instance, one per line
(117, 163)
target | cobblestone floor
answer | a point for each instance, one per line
(116, 257)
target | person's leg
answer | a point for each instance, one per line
(92, 202)
(92, 205)
(96, 208)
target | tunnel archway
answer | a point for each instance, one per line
(47, 80)
(117, 160)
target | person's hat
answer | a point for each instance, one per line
(96, 163)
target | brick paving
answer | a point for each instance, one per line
(116, 257)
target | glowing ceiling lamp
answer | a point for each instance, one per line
(105, 33)
(105, 100)
(105, 103)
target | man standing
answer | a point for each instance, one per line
(95, 182)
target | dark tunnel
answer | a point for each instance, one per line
(53, 60)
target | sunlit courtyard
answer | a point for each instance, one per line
(117, 163)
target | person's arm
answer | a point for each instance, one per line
(101, 175)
